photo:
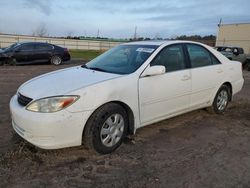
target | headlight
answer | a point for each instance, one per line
(51, 104)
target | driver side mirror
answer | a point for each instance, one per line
(154, 70)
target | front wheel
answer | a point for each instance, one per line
(106, 129)
(56, 60)
(221, 100)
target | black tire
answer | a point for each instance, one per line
(215, 108)
(248, 66)
(92, 138)
(56, 60)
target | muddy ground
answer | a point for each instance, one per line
(197, 149)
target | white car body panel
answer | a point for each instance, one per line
(204, 81)
(55, 83)
(151, 99)
(154, 98)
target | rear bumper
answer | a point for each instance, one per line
(66, 57)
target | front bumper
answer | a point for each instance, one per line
(48, 130)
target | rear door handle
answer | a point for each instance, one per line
(185, 77)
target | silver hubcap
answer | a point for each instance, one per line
(222, 100)
(112, 130)
(56, 60)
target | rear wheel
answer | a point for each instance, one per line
(106, 129)
(221, 100)
(56, 60)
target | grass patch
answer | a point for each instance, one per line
(85, 54)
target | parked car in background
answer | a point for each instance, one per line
(235, 54)
(125, 88)
(34, 52)
(232, 53)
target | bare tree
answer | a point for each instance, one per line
(69, 34)
(40, 31)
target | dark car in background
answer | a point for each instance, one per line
(34, 52)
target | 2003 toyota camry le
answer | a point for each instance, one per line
(127, 87)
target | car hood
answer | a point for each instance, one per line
(63, 82)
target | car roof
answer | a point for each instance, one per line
(160, 42)
(27, 42)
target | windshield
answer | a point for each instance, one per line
(123, 59)
(11, 47)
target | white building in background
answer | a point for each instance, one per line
(234, 35)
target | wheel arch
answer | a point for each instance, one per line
(129, 111)
(226, 83)
(229, 85)
(131, 118)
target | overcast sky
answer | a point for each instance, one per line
(118, 18)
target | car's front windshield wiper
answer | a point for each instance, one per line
(84, 66)
(94, 68)
(97, 69)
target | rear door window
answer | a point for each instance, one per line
(215, 60)
(43, 47)
(199, 56)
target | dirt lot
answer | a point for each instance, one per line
(197, 149)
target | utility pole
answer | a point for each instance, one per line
(218, 33)
(135, 34)
(220, 22)
(98, 33)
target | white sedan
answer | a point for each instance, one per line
(128, 87)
